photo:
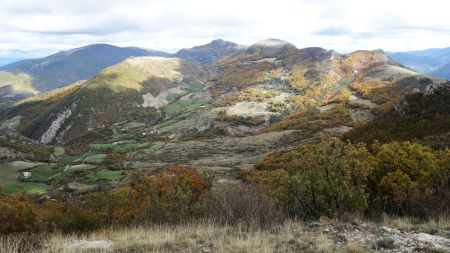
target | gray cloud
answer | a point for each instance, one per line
(172, 24)
(333, 31)
(98, 28)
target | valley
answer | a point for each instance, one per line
(264, 124)
(149, 112)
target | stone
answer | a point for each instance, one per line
(84, 244)
(385, 242)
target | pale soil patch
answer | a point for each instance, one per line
(244, 130)
(249, 109)
(160, 100)
(80, 187)
(353, 99)
(203, 96)
(327, 107)
(12, 123)
(336, 131)
(361, 116)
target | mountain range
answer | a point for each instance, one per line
(219, 107)
(265, 80)
(29, 77)
(435, 62)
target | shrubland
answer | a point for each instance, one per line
(328, 178)
(333, 178)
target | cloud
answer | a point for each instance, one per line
(344, 25)
(61, 25)
(333, 31)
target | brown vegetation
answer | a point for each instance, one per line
(334, 178)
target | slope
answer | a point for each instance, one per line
(135, 89)
(30, 77)
(210, 52)
(428, 61)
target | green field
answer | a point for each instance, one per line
(173, 120)
(95, 159)
(106, 174)
(72, 158)
(78, 167)
(194, 87)
(68, 159)
(124, 148)
(121, 147)
(157, 145)
(42, 173)
(181, 106)
(73, 168)
(101, 146)
(58, 151)
(172, 97)
(9, 172)
(28, 187)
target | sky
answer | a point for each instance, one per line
(32, 28)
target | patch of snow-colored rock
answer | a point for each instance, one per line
(56, 125)
(85, 245)
(435, 241)
(160, 100)
(249, 109)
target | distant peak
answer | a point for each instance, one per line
(272, 43)
(218, 41)
(379, 51)
(271, 46)
(98, 45)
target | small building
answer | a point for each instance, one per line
(25, 174)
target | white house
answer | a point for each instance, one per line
(26, 174)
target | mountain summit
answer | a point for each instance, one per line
(31, 77)
(270, 46)
(210, 52)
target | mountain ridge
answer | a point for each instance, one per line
(302, 77)
(54, 71)
(434, 61)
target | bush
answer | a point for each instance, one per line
(18, 214)
(324, 179)
(333, 178)
(242, 204)
(173, 196)
(410, 179)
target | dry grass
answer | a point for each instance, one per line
(199, 237)
(20, 82)
(53, 95)
(290, 236)
(355, 247)
(408, 223)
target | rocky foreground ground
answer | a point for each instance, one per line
(324, 236)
